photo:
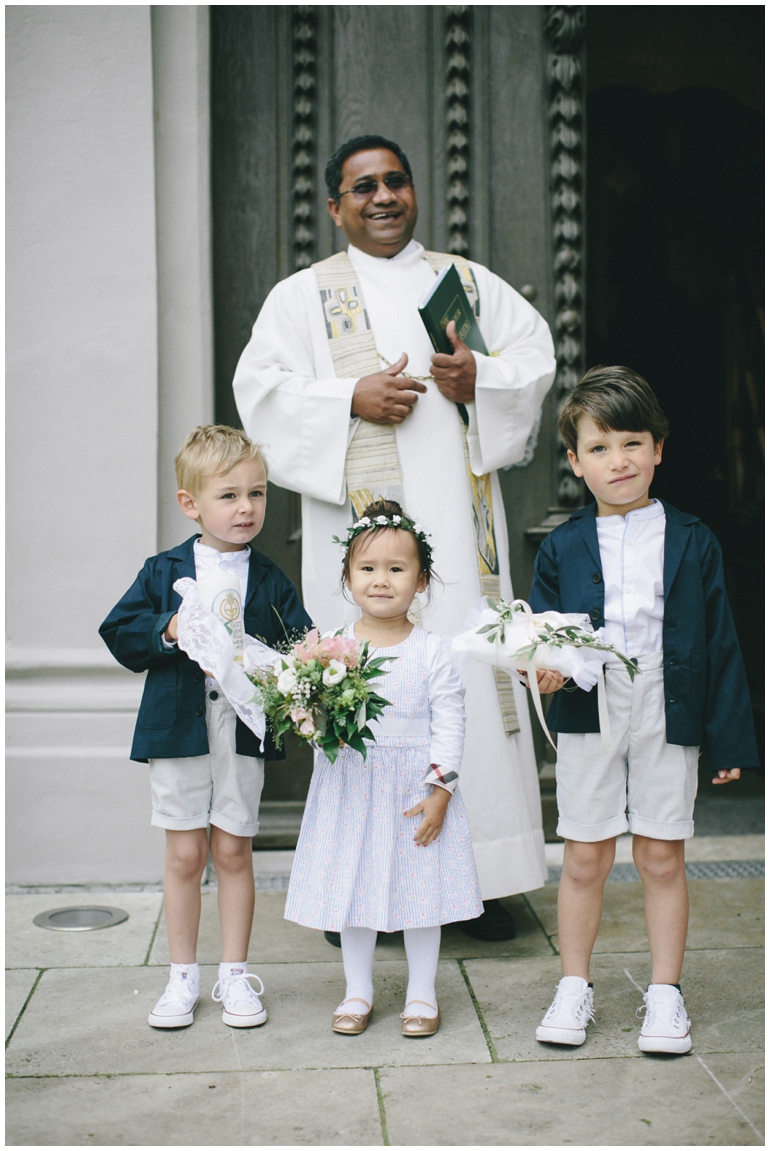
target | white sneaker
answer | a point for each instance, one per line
(666, 1026)
(177, 1003)
(565, 1020)
(241, 1003)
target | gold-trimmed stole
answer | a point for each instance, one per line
(372, 467)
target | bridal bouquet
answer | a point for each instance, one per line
(322, 690)
(511, 636)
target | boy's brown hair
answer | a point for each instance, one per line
(213, 450)
(617, 399)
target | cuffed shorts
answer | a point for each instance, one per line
(642, 784)
(221, 788)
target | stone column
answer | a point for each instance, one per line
(89, 402)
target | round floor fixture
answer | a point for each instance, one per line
(90, 918)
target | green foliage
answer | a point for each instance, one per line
(332, 714)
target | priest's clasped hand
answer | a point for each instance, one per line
(455, 375)
(386, 397)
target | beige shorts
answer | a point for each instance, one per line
(221, 788)
(642, 784)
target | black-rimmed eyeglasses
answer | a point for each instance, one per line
(395, 182)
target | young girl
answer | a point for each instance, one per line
(384, 843)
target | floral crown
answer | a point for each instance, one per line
(370, 524)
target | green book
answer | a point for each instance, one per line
(447, 300)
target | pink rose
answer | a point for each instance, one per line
(305, 651)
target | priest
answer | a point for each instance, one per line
(340, 383)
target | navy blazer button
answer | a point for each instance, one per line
(199, 710)
(213, 695)
(672, 701)
(595, 614)
(197, 676)
(597, 577)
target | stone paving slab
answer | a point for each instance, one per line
(720, 910)
(722, 992)
(57, 1037)
(611, 1102)
(252, 1109)
(18, 985)
(125, 944)
(275, 940)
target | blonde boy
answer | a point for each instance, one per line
(206, 767)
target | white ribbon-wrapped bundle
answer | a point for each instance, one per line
(509, 635)
(206, 640)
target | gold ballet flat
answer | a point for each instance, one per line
(417, 1026)
(351, 1022)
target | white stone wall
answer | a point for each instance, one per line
(108, 365)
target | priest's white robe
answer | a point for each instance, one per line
(291, 402)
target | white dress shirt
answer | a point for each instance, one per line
(631, 548)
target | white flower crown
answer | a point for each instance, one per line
(368, 524)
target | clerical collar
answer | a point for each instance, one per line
(412, 254)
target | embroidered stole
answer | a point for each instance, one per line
(372, 467)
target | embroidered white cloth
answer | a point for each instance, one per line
(291, 401)
(206, 640)
(521, 633)
(581, 664)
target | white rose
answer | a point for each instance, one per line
(334, 673)
(396, 519)
(287, 681)
(381, 520)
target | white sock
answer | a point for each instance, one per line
(228, 969)
(191, 973)
(358, 945)
(422, 947)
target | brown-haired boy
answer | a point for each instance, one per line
(652, 577)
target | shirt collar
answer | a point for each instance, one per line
(650, 512)
(204, 552)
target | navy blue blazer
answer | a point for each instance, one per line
(706, 694)
(172, 716)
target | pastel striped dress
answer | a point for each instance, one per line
(356, 863)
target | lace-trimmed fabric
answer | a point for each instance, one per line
(207, 641)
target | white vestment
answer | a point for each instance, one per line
(291, 402)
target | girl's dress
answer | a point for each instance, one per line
(357, 864)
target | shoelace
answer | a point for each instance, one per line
(648, 1007)
(230, 982)
(584, 1009)
(176, 989)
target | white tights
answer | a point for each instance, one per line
(422, 947)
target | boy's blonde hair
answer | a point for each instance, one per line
(213, 450)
